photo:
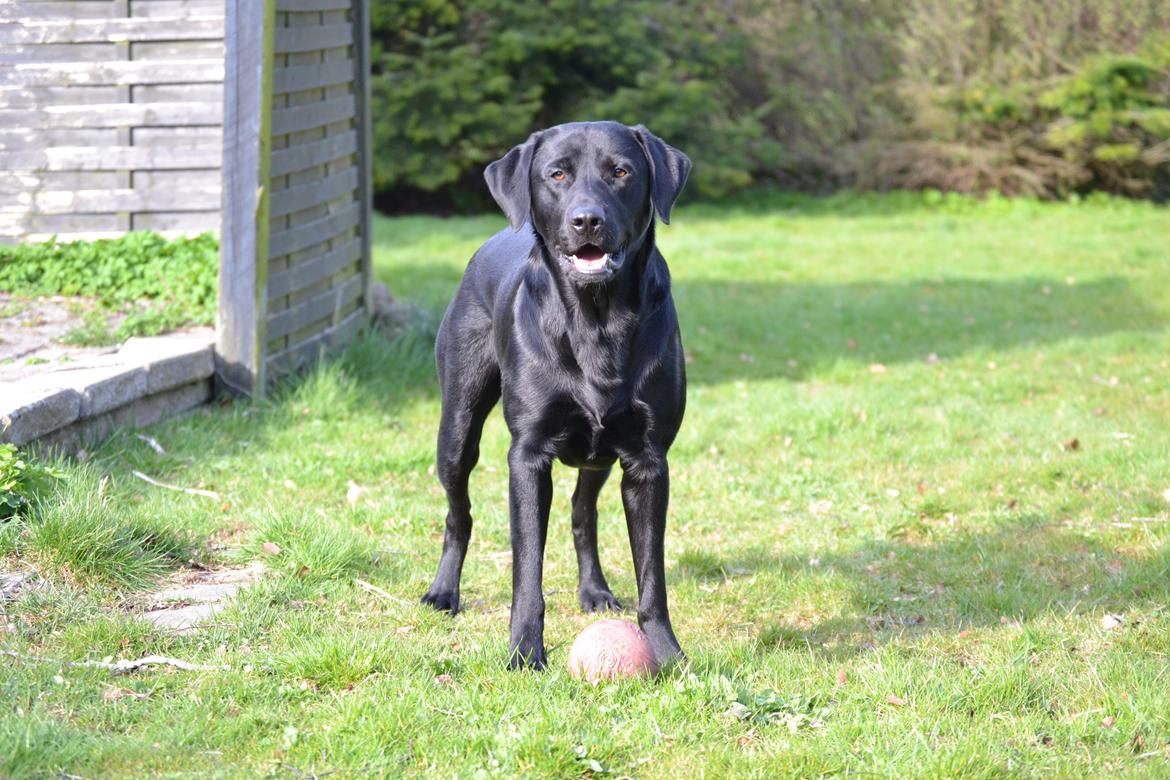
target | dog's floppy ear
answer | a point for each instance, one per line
(507, 178)
(669, 169)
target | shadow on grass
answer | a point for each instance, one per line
(905, 588)
(758, 330)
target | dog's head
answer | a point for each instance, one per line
(590, 190)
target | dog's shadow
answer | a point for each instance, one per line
(909, 587)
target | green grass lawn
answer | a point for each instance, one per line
(925, 459)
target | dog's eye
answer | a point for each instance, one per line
(557, 175)
(619, 173)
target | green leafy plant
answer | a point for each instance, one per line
(22, 480)
(798, 711)
(155, 284)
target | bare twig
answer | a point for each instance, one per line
(123, 666)
(313, 775)
(379, 592)
(152, 443)
(190, 491)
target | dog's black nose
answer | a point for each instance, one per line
(586, 218)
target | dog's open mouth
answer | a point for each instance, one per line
(589, 259)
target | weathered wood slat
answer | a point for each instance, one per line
(31, 97)
(300, 6)
(194, 28)
(302, 196)
(11, 54)
(111, 201)
(113, 115)
(301, 275)
(298, 356)
(210, 137)
(116, 73)
(172, 51)
(192, 221)
(16, 10)
(318, 231)
(304, 156)
(169, 9)
(297, 118)
(316, 308)
(22, 235)
(298, 77)
(290, 40)
(116, 158)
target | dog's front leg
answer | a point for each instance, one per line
(529, 496)
(645, 492)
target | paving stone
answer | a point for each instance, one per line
(171, 361)
(192, 597)
(102, 387)
(29, 412)
(164, 405)
(183, 619)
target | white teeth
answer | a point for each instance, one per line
(590, 266)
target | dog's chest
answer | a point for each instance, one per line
(595, 425)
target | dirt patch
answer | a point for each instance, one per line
(31, 330)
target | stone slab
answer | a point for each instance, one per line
(182, 619)
(145, 411)
(28, 413)
(171, 361)
(102, 387)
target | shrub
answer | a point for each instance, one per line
(456, 84)
(22, 481)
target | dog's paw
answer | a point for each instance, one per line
(528, 656)
(442, 599)
(598, 600)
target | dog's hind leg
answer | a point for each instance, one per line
(468, 397)
(592, 589)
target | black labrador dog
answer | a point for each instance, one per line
(568, 316)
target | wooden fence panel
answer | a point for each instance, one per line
(92, 87)
(191, 115)
(298, 202)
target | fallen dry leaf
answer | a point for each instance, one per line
(820, 507)
(1110, 622)
(445, 679)
(1072, 444)
(404, 630)
(897, 701)
(270, 548)
(354, 493)
(842, 677)
(877, 368)
(113, 693)
(1108, 721)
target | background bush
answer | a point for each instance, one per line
(1017, 96)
